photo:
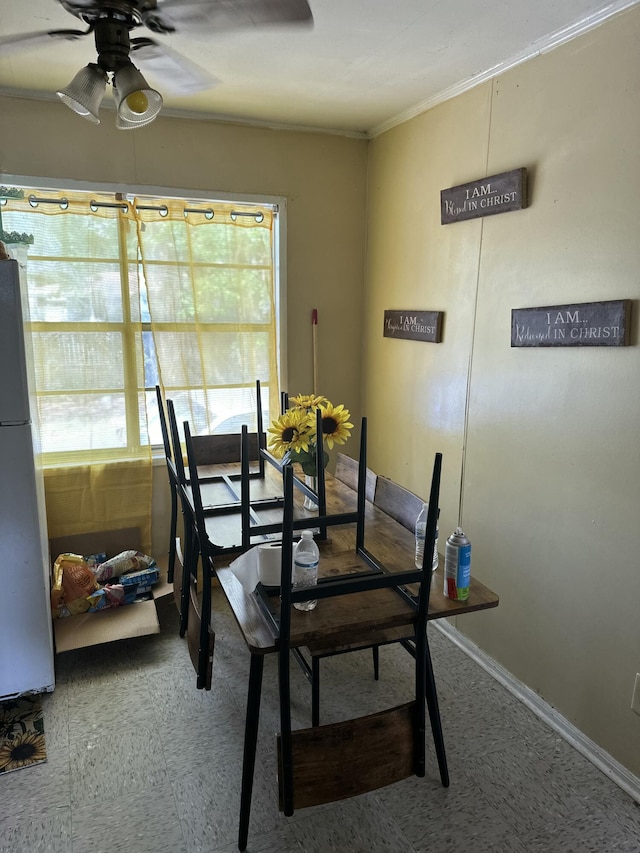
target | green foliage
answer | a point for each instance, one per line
(307, 459)
(15, 237)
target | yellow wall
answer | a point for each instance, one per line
(551, 481)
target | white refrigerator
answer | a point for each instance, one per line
(26, 641)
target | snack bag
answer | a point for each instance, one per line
(73, 582)
(110, 595)
(126, 561)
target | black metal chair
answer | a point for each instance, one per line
(327, 763)
(310, 662)
(220, 493)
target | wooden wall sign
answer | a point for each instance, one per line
(584, 324)
(413, 325)
(497, 194)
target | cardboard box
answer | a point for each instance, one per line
(118, 623)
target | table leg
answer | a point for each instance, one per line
(250, 743)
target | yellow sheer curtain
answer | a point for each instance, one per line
(88, 360)
(124, 295)
(209, 280)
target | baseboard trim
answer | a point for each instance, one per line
(619, 774)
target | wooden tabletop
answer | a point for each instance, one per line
(345, 621)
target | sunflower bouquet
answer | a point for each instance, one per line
(293, 438)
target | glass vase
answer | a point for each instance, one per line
(312, 483)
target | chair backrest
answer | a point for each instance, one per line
(347, 472)
(223, 448)
(340, 760)
(397, 502)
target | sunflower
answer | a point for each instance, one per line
(308, 401)
(21, 751)
(292, 431)
(335, 424)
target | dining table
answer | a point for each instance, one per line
(345, 622)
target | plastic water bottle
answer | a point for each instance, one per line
(305, 567)
(421, 532)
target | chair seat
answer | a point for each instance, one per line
(374, 638)
(345, 759)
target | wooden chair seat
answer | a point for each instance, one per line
(390, 635)
(348, 758)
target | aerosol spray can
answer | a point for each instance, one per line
(457, 566)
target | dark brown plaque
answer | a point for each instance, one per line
(413, 325)
(582, 324)
(497, 194)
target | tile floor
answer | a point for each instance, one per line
(141, 761)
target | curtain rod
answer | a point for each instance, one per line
(123, 205)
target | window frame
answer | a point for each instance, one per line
(279, 204)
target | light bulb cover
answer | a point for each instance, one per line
(124, 124)
(138, 102)
(85, 92)
(128, 81)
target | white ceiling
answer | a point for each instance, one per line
(364, 66)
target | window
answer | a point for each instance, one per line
(125, 293)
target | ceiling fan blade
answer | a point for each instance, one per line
(26, 41)
(221, 15)
(177, 74)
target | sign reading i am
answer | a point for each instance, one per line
(497, 194)
(413, 325)
(584, 324)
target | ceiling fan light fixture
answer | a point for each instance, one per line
(137, 103)
(85, 92)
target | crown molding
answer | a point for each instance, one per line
(537, 48)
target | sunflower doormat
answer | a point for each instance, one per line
(21, 733)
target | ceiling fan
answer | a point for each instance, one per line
(112, 21)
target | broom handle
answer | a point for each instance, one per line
(314, 334)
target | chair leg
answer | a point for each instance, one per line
(250, 743)
(189, 568)
(436, 724)
(376, 662)
(172, 534)
(315, 691)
